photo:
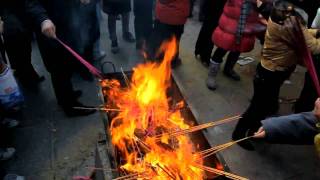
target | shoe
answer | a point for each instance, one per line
(175, 63)
(232, 75)
(114, 47)
(73, 111)
(240, 132)
(7, 153)
(99, 55)
(213, 72)
(127, 36)
(10, 123)
(13, 177)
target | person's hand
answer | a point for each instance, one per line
(260, 134)
(317, 108)
(1, 26)
(48, 29)
(259, 3)
(85, 1)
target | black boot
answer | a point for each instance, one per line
(228, 69)
(241, 132)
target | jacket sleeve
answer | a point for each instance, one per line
(293, 129)
(312, 42)
(36, 11)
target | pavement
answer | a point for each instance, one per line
(51, 146)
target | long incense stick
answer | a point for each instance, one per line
(135, 175)
(221, 173)
(125, 77)
(102, 169)
(214, 150)
(97, 108)
(198, 128)
(90, 67)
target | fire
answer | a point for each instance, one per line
(145, 112)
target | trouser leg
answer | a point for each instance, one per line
(218, 55)
(231, 61)
(125, 22)
(63, 89)
(18, 48)
(307, 97)
(204, 44)
(308, 94)
(112, 19)
(60, 69)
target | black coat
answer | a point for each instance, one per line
(115, 7)
(76, 25)
(14, 15)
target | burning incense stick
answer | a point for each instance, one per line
(167, 172)
(222, 173)
(198, 128)
(134, 176)
(125, 77)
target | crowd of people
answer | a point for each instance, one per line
(232, 26)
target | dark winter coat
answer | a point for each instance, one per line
(13, 14)
(172, 12)
(292, 129)
(116, 7)
(76, 23)
(238, 26)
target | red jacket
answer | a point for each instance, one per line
(224, 35)
(172, 12)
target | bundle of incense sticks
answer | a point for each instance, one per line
(198, 128)
(216, 149)
(90, 67)
(221, 173)
(203, 154)
(130, 176)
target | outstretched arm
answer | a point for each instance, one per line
(293, 129)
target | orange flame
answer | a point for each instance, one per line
(145, 112)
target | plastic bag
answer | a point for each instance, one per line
(10, 94)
